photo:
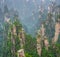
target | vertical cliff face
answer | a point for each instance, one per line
(39, 47)
(42, 40)
(57, 31)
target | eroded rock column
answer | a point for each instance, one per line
(22, 43)
(39, 47)
(57, 32)
(13, 33)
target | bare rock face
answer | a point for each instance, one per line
(46, 43)
(22, 38)
(39, 43)
(13, 32)
(57, 32)
(22, 42)
(21, 53)
(45, 40)
(41, 38)
(42, 30)
(39, 49)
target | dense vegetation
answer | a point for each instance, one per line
(30, 45)
(30, 42)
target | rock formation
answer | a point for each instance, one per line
(42, 40)
(39, 47)
(21, 53)
(13, 33)
(22, 43)
(57, 32)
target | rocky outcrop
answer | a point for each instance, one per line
(57, 32)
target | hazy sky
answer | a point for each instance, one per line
(27, 8)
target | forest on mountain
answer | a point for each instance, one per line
(12, 41)
(20, 40)
(30, 44)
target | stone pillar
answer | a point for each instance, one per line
(22, 38)
(39, 43)
(22, 43)
(42, 30)
(46, 43)
(57, 31)
(44, 38)
(21, 53)
(39, 49)
(13, 33)
(14, 30)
